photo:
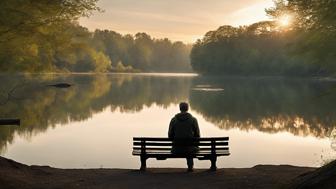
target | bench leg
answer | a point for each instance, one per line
(143, 163)
(213, 164)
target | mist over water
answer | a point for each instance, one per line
(91, 124)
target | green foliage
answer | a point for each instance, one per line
(121, 68)
(24, 17)
(142, 52)
(44, 36)
(314, 26)
(304, 48)
(258, 49)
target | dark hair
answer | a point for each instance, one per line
(184, 107)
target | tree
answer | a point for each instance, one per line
(44, 36)
(315, 26)
(142, 52)
(257, 49)
(37, 35)
(19, 17)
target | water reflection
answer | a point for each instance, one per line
(301, 107)
(333, 139)
(40, 106)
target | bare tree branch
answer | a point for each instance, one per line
(8, 96)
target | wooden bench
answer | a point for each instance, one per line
(160, 148)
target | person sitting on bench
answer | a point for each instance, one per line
(184, 126)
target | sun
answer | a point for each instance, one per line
(285, 20)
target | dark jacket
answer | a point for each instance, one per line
(183, 126)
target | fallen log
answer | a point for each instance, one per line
(10, 122)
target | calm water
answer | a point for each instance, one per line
(90, 125)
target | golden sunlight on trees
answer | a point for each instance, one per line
(25, 17)
(314, 25)
(285, 20)
(300, 41)
(44, 36)
(258, 49)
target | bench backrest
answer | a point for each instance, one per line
(206, 145)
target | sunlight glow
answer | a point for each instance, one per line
(285, 20)
(171, 19)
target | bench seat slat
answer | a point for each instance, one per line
(170, 144)
(169, 149)
(169, 153)
(223, 152)
(169, 140)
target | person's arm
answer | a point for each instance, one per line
(171, 132)
(197, 133)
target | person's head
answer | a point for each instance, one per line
(184, 107)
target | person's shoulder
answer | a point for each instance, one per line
(174, 118)
(193, 117)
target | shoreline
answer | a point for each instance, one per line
(17, 175)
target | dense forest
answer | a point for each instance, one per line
(305, 46)
(44, 36)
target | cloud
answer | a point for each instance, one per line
(251, 14)
(175, 19)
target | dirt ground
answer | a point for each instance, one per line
(16, 175)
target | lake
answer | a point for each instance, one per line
(91, 124)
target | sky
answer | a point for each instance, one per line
(178, 20)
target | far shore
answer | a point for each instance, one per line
(17, 175)
(330, 78)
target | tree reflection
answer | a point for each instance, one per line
(301, 107)
(40, 106)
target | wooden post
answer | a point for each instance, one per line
(143, 156)
(213, 156)
(10, 122)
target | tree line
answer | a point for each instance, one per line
(305, 47)
(44, 36)
(142, 52)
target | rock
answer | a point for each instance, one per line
(61, 85)
(322, 178)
